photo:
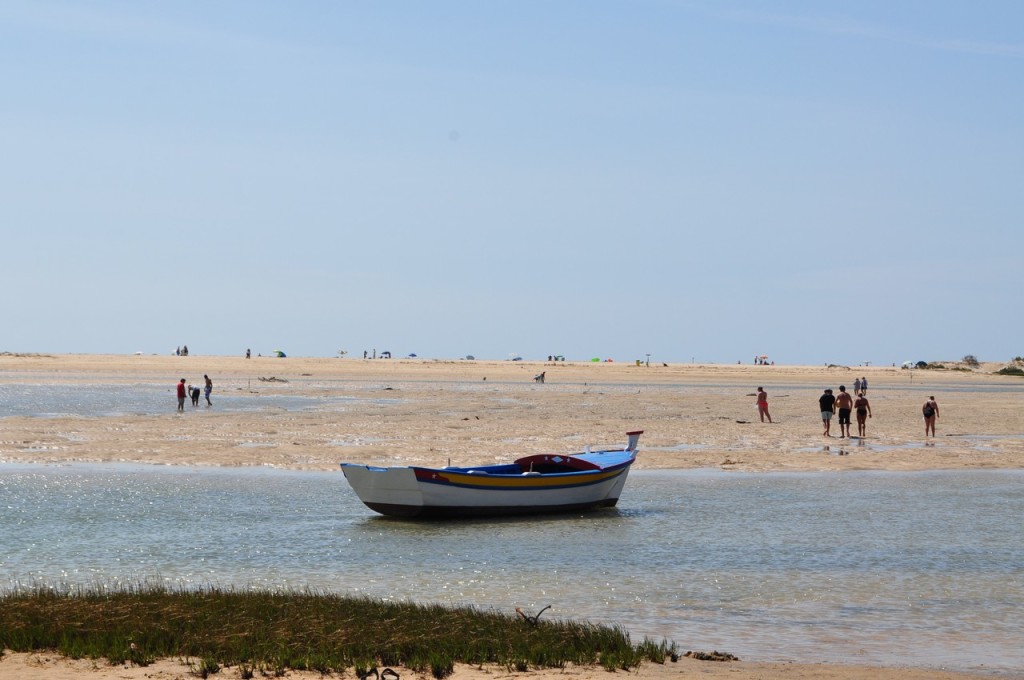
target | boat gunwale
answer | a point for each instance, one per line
(520, 482)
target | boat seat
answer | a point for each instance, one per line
(548, 463)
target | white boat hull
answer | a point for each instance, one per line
(535, 483)
(397, 491)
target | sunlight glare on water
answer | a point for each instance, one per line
(887, 568)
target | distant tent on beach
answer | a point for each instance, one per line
(280, 354)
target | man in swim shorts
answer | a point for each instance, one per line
(844, 402)
(827, 402)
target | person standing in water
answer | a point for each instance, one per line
(930, 411)
(209, 388)
(762, 404)
(181, 395)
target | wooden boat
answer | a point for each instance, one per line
(540, 483)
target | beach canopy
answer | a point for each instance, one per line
(279, 353)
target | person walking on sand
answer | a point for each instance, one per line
(930, 411)
(856, 386)
(209, 388)
(181, 395)
(762, 404)
(863, 409)
(844, 402)
(827, 402)
(863, 385)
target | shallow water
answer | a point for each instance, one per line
(882, 568)
(62, 400)
(43, 399)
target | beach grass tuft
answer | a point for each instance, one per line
(272, 632)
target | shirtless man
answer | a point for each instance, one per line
(844, 403)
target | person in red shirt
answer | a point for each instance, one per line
(181, 395)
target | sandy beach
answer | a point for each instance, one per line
(48, 666)
(466, 412)
(473, 412)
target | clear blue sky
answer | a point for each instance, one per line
(815, 181)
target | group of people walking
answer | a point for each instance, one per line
(846, 405)
(192, 392)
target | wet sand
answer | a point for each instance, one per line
(472, 412)
(433, 412)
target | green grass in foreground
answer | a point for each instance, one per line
(301, 630)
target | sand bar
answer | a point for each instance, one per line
(473, 412)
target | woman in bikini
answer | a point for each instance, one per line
(930, 411)
(863, 409)
(762, 404)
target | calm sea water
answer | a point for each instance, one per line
(98, 400)
(60, 400)
(894, 569)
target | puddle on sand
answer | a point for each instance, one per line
(859, 444)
